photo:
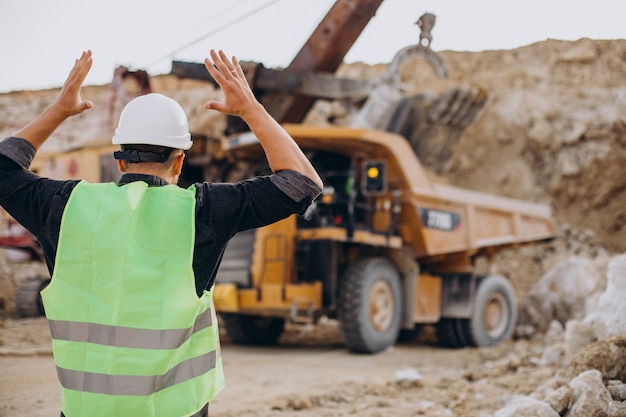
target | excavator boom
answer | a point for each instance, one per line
(325, 50)
(289, 94)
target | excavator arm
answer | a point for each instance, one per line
(325, 51)
(289, 94)
(431, 122)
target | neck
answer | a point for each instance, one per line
(149, 170)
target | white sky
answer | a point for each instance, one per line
(39, 39)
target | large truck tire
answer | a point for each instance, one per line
(494, 316)
(28, 301)
(370, 305)
(253, 330)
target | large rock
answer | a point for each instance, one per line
(608, 319)
(578, 334)
(559, 398)
(562, 292)
(608, 356)
(526, 407)
(589, 395)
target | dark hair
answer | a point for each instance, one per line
(135, 153)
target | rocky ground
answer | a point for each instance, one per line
(310, 374)
(553, 131)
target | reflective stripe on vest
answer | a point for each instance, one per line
(136, 385)
(126, 336)
(129, 334)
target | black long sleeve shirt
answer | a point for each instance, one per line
(222, 209)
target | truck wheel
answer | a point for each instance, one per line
(495, 312)
(253, 330)
(369, 305)
(28, 301)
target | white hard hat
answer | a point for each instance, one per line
(153, 119)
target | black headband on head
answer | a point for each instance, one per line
(132, 155)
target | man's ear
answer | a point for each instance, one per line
(121, 165)
(178, 163)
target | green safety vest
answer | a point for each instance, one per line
(130, 336)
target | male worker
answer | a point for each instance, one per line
(133, 264)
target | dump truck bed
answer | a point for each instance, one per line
(455, 220)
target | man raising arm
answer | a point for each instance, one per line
(133, 264)
(280, 149)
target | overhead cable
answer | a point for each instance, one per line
(217, 30)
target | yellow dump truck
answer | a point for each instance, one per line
(384, 249)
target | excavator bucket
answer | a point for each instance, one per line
(434, 124)
(431, 121)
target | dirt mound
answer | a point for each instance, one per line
(553, 131)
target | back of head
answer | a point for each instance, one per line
(153, 119)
